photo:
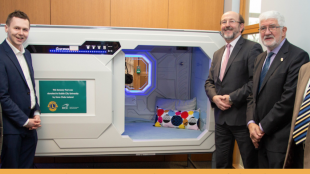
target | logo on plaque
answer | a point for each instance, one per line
(52, 106)
(65, 106)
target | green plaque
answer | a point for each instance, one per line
(62, 96)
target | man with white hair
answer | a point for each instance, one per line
(270, 106)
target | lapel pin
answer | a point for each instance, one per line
(281, 59)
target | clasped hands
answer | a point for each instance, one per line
(222, 102)
(256, 134)
(34, 123)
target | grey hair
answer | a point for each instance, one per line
(272, 15)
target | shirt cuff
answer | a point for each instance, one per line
(37, 112)
(261, 128)
(26, 123)
(251, 121)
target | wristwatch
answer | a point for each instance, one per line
(230, 99)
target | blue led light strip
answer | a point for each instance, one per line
(79, 51)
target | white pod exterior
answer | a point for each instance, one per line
(179, 65)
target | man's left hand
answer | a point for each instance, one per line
(38, 120)
(255, 133)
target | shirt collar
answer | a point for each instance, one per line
(15, 50)
(234, 42)
(277, 49)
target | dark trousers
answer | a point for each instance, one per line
(295, 156)
(225, 137)
(268, 159)
(18, 150)
(298, 156)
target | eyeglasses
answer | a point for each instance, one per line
(224, 22)
(270, 27)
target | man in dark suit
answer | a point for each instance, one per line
(298, 150)
(20, 110)
(275, 76)
(228, 86)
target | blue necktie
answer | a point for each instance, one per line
(265, 70)
(302, 121)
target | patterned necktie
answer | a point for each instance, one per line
(302, 121)
(265, 70)
(224, 64)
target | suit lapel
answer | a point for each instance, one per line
(217, 67)
(276, 62)
(30, 68)
(260, 62)
(301, 90)
(13, 58)
(234, 54)
(28, 60)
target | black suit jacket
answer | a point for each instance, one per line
(272, 106)
(237, 81)
(14, 91)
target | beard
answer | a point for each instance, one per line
(229, 37)
(268, 44)
(271, 44)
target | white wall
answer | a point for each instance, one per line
(231, 5)
(296, 14)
